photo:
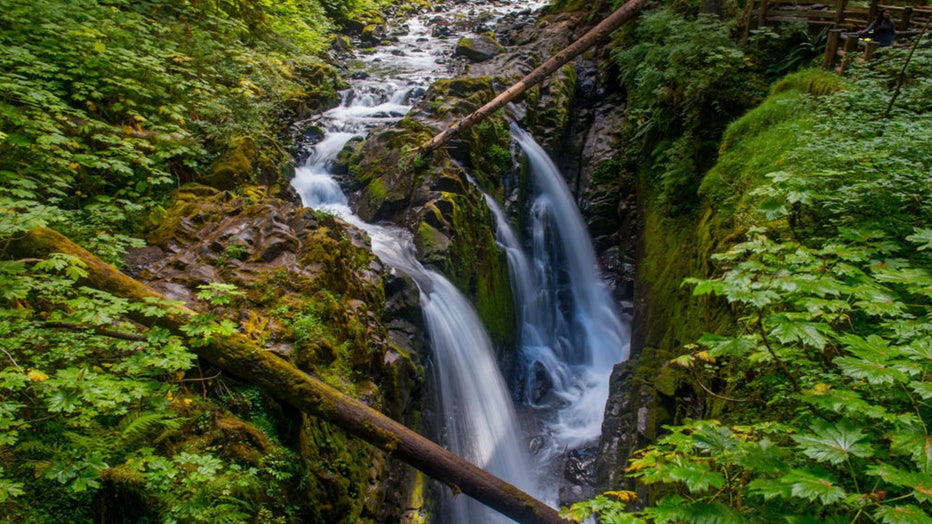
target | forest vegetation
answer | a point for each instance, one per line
(810, 210)
(814, 207)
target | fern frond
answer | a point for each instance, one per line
(141, 425)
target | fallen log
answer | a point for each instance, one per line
(239, 356)
(593, 36)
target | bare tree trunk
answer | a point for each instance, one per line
(595, 35)
(236, 354)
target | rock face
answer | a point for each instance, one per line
(312, 292)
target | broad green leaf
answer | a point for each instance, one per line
(771, 488)
(845, 401)
(10, 489)
(923, 389)
(872, 347)
(920, 483)
(873, 372)
(762, 457)
(722, 346)
(833, 443)
(673, 509)
(908, 514)
(923, 237)
(788, 329)
(914, 442)
(696, 476)
(814, 484)
(715, 440)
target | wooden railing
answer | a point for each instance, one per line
(843, 43)
(838, 14)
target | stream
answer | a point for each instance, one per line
(570, 333)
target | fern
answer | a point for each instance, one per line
(136, 427)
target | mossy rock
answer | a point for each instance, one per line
(372, 34)
(237, 166)
(383, 175)
(321, 83)
(361, 19)
(448, 98)
(551, 108)
(474, 262)
(321, 293)
(479, 48)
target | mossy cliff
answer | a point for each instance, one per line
(435, 199)
(309, 289)
(648, 391)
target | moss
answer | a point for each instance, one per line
(235, 167)
(477, 266)
(460, 96)
(551, 108)
(489, 157)
(810, 81)
(339, 472)
(327, 304)
(416, 501)
(755, 145)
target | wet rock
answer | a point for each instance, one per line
(372, 34)
(579, 468)
(313, 294)
(341, 44)
(138, 261)
(479, 48)
(441, 31)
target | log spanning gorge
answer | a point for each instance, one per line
(519, 421)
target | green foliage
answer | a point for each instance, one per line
(106, 106)
(685, 79)
(831, 285)
(92, 405)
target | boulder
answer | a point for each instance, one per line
(478, 49)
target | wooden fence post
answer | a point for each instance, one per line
(907, 17)
(831, 48)
(869, 50)
(851, 47)
(872, 12)
(840, 6)
(762, 13)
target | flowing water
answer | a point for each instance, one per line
(570, 335)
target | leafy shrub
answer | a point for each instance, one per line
(685, 79)
(825, 378)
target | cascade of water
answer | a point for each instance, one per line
(571, 334)
(479, 419)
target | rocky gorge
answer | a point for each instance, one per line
(315, 295)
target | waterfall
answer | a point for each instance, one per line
(571, 333)
(479, 421)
